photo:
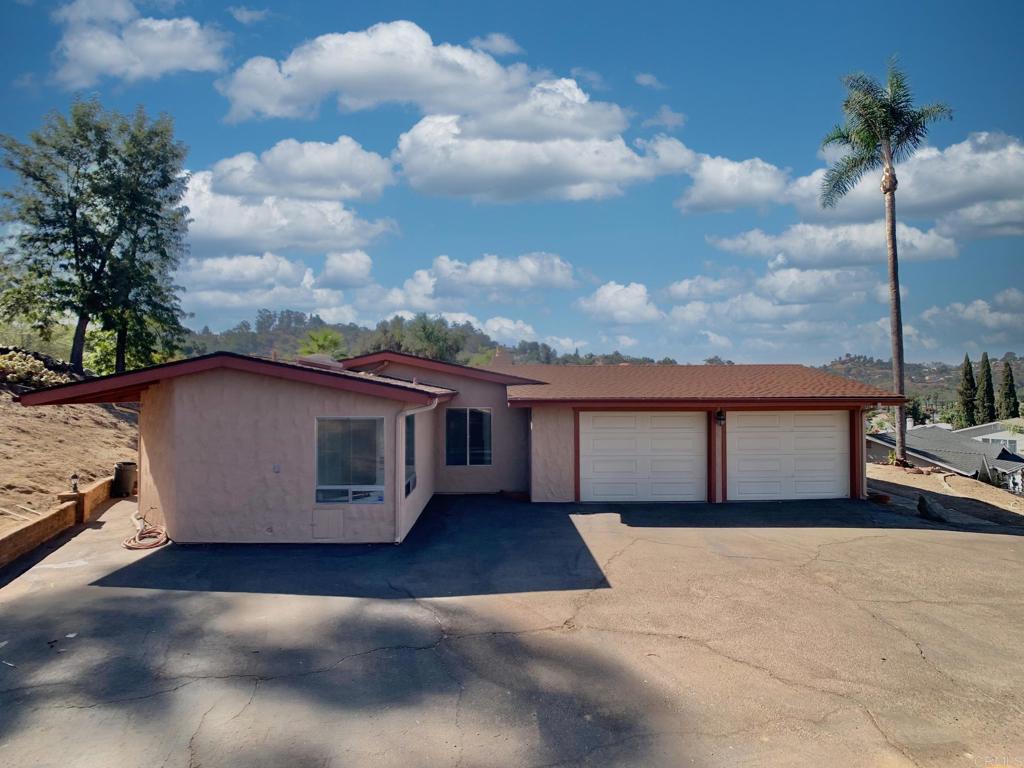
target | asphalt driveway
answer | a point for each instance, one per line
(509, 634)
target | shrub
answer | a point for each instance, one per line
(27, 371)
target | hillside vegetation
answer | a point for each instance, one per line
(284, 333)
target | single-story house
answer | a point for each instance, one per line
(243, 449)
(1008, 433)
(955, 452)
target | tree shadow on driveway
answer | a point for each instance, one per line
(465, 545)
(152, 678)
(477, 545)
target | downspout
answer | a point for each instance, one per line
(400, 470)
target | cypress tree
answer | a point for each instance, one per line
(1007, 406)
(985, 399)
(966, 393)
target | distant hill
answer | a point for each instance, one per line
(282, 333)
(936, 382)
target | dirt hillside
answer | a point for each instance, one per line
(40, 448)
(963, 494)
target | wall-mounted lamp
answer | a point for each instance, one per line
(720, 418)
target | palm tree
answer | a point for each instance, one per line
(882, 128)
(325, 341)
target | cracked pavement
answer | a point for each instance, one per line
(503, 633)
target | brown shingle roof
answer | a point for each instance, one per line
(705, 383)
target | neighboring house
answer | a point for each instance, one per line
(955, 452)
(1008, 433)
(243, 449)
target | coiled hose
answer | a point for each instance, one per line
(146, 536)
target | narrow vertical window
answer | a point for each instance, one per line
(410, 454)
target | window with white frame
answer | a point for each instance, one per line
(410, 454)
(467, 436)
(350, 460)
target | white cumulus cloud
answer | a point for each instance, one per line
(842, 244)
(111, 39)
(437, 158)
(621, 304)
(341, 170)
(228, 222)
(346, 269)
(530, 270)
(497, 43)
(395, 62)
(507, 330)
(701, 286)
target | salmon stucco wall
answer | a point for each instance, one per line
(510, 436)
(156, 454)
(413, 504)
(552, 461)
(231, 457)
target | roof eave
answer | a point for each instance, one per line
(127, 387)
(470, 372)
(706, 403)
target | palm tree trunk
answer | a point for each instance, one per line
(895, 310)
(78, 343)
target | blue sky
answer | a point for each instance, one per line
(641, 178)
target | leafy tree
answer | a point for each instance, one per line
(966, 394)
(324, 341)
(100, 227)
(915, 410)
(101, 354)
(716, 360)
(985, 398)
(431, 337)
(882, 127)
(950, 413)
(1007, 406)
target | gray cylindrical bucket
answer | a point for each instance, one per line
(125, 475)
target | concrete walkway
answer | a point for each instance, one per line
(508, 634)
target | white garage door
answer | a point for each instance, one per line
(787, 455)
(643, 456)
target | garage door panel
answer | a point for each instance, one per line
(682, 444)
(672, 491)
(811, 419)
(822, 465)
(787, 455)
(613, 445)
(760, 489)
(614, 421)
(755, 420)
(610, 466)
(825, 441)
(675, 466)
(758, 465)
(680, 421)
(643, 456)
(755, 443)
(614, 491)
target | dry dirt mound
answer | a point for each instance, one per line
(41, 447)
(962, 494)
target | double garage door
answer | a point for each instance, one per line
(662, 455)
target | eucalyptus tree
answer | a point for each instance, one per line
(882, 127)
